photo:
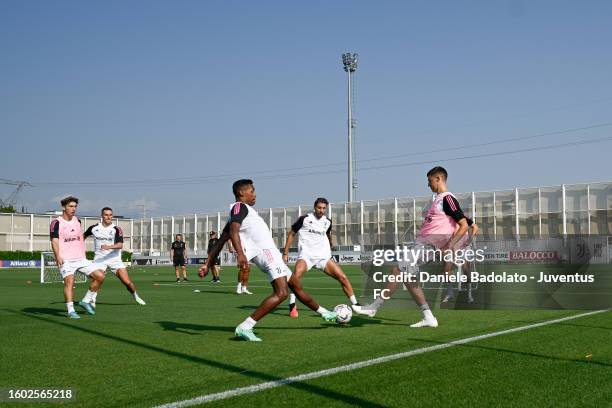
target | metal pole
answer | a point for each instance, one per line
(350, 140)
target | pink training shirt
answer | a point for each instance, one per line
(70, 235)
(437, 227)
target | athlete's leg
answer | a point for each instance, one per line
(295, 283)
(333, 269)
(123, 276)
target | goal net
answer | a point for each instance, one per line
(50, 273)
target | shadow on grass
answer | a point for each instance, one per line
(184, 327)
(76, 304)
(258, 375)
(45, 311)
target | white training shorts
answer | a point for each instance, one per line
(114, 264)
(82, 265)
(314, 262)
(271, 262)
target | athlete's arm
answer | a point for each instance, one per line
(54, 235)
(172, 250)
(290, 238)
(451, 207)
(55, 247)
(295, 227)
(88, 233)
(237, 214)
(234, 230)
(329, 235)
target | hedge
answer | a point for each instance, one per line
(35, 256)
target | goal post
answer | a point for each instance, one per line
(50, 273)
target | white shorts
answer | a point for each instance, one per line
(82, 265)
(113, 263)
(314, 262)
(271, 262)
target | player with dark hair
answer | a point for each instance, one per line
(252, 240)
(444, 227)
(69, 249)
(178, 254)
(314, 231)
(108, 242)
(216, 268)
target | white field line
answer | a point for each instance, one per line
(361, 364)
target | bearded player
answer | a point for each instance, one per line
(108, 242)
(314, 251)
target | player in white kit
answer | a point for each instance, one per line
(69, 249)
(314, 251)
(252, 240)
(108, 243)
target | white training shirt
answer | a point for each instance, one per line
(105, 236)
(312, 235)
(255, 235)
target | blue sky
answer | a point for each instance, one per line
(118, 92)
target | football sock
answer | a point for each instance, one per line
(291, 299)
(353, 300)
(321, 310)
(378, 302)
(70, 307)
(248, 324)
(88, 296)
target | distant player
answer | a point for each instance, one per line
(216, 265)
(252, 240)
(108, 242)
(243, 276)
(314, 231)
(444, 227)
(69, 250)
(178, 253)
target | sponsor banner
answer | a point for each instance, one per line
(533, 256)
(496, 256)
(142, 262)
(19, 264)
(347, 258)
(196, 261)
(163, 261)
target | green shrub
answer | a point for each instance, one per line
(29, 256)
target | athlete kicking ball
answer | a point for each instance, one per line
(314, 251)
(444, 228)
(252, 240)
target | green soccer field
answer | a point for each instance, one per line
(182, 346)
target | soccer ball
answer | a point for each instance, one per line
(343, 314)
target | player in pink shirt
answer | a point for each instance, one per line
(69, 249)
(444, 227)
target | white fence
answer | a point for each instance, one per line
(30, 232)
(539, 212)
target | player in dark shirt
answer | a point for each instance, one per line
(216, 269)
(178, 253)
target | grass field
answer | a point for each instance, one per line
(181, 345)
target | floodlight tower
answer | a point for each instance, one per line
(349, 60)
